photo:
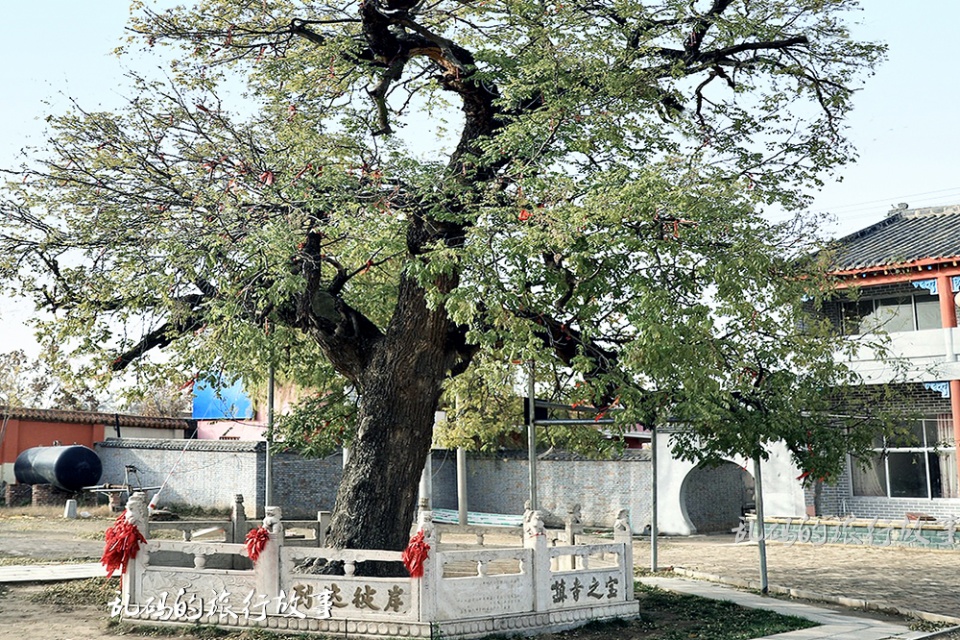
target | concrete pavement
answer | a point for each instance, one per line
(905, 581)
(53, 572)
(834, 625)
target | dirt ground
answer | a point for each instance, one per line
(29, 537)
(23, 619)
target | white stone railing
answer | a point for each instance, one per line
(235, 529)
(463, 593)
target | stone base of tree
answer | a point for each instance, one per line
(463, 593)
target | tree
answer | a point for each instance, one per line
(598, 208)
(163, 400)
(44, 382)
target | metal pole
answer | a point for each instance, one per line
(268, 473)
(762, 539)
(531, 435)
(462, 485)
(426, 482)
(654, 530)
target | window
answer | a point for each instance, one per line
(907, 313)
(918, 462)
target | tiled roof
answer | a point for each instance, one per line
(233, 446)
(903, 237)
(94, 417)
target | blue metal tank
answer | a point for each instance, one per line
(68, 468)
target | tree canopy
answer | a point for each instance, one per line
(38, 383)
(279, 194)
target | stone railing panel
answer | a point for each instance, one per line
(489, 590)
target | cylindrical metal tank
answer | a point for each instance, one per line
(68, 468)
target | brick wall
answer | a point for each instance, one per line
(833, 496)
(212, 471)
(301, 486)
(897, 508)
(910, 398)
(500, 484)
(206, 474)
(715, 497)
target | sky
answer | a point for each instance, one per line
(905, 122)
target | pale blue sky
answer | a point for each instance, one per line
(905, 123)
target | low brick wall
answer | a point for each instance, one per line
(17, 495)
(199, 473)
(500, 484)
(207, 473)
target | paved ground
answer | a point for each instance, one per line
(908, 579)
(14, 574)
(898, 578)
(834, 625)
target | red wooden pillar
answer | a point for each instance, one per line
(948, 320)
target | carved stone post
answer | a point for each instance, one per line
(267, 567)
(623, 534)
(574, 529)
(136, 513)
(323, 523)
(238, 518)
(574, 524)
(430, 582)
(535, 538)
(238, 527)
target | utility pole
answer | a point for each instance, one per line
(268, 473)
(531, 434)
(654, 529)
(762, 540)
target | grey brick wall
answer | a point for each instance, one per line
(304, 486)
(715, 497)
(500, 484)
(833, 496)
(207, 473)
(897, 508)
(212, 471)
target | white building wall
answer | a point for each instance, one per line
(782, 492)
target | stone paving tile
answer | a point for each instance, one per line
(834, 625)
(917, 579)
(50, 572)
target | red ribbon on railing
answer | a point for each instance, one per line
(415, 555)
(256, 542)
(123, 541)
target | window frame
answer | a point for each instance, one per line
(926, 449)
(873, 301)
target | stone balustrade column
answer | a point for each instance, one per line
(623, 534)
(267, 567)
(535, 538)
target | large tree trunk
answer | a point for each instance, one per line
(400, 389)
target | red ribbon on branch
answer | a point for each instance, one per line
(256, 542)
(123, 542)
(415, 555)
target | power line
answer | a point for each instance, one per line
(868, 204)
